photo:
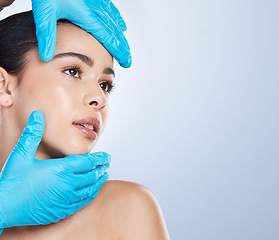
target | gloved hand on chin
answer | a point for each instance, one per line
(34, 192)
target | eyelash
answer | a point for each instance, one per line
(76, 68)
(110, 85)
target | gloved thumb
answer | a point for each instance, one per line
(30, 139)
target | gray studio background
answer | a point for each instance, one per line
(195, 119)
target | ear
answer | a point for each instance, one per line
(7, 85)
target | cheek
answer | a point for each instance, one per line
(105, 114)
(28, 98)
(54, 101)
(35, 94)
(58, 106)
(61, 104)
(105, 117)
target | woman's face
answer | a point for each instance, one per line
(71, 90)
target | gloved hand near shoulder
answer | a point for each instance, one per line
(98, 17)
(34, 192)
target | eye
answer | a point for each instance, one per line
(107, 86)
(73, 71)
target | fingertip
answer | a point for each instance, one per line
(31, 136)
(107, 165)
(121, 53)
(36, 118)
(106, 175)
(122, 24)
(103, 178)
(45, 56)
(46, 36)
(46, 52)
(102, 158)
(35, 125)
(102, 155)
(37, 114)
(127, 63)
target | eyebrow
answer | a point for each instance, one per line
(109, 71)
(87, 60)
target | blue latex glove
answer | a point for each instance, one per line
(36, 191)
(98, 17)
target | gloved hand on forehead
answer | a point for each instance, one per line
(34, 192)
(98, 17)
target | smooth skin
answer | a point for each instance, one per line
(121, 210)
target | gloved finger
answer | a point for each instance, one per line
(31, 137)
(79, 205)
(46, 29)
(117, 46)
(90, 178)
(114, 13)
(76, 206)
(106, 18)
(85, 163)
(90, 191)
(119, 49)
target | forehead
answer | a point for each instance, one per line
(71, 38)
(74, 40)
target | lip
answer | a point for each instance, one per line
(92, 134)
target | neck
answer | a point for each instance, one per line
(9, 136)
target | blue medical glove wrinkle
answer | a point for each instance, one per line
(39, 192)
(90, 191)
(110, 7)
(87, 162)
(89, 178)
(100, 18)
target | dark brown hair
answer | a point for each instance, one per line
(17, 38)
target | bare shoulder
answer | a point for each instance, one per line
(132, 210)
(123, 190)
(128, 195)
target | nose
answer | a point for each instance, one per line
(95, 97)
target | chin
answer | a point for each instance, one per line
(49, 151)
(76, 152)
(77, 149)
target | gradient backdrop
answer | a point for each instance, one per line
(195, 119)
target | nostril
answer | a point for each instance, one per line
(94, 103)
